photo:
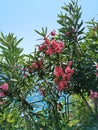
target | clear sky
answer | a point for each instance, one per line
(22, 17)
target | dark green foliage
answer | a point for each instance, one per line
(71, 30)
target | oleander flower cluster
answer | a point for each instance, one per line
(51, 45)
(93, 94)
(63, 75)
(3, 90)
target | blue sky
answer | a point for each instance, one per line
(22, 17)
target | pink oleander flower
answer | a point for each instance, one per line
(49, 51)
(58, 47)
(53, 33)
(61, 45)
(40, 63)
(58, 71)
(72, 71)
(67, 69)
(47, 41)
(62, 85)
(96, 74)
(4, 87)
(41, 91)
(42, 47)
(35, 65)
(2, 94)
(93, 94)
(66, 76)
(97, 67)
(69, 63)
(58, 50)
(54, 44)
(73, 30)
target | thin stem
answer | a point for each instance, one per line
(96, 106)
(86, 103)
(26, 121)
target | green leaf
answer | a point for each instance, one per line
(18, 41)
